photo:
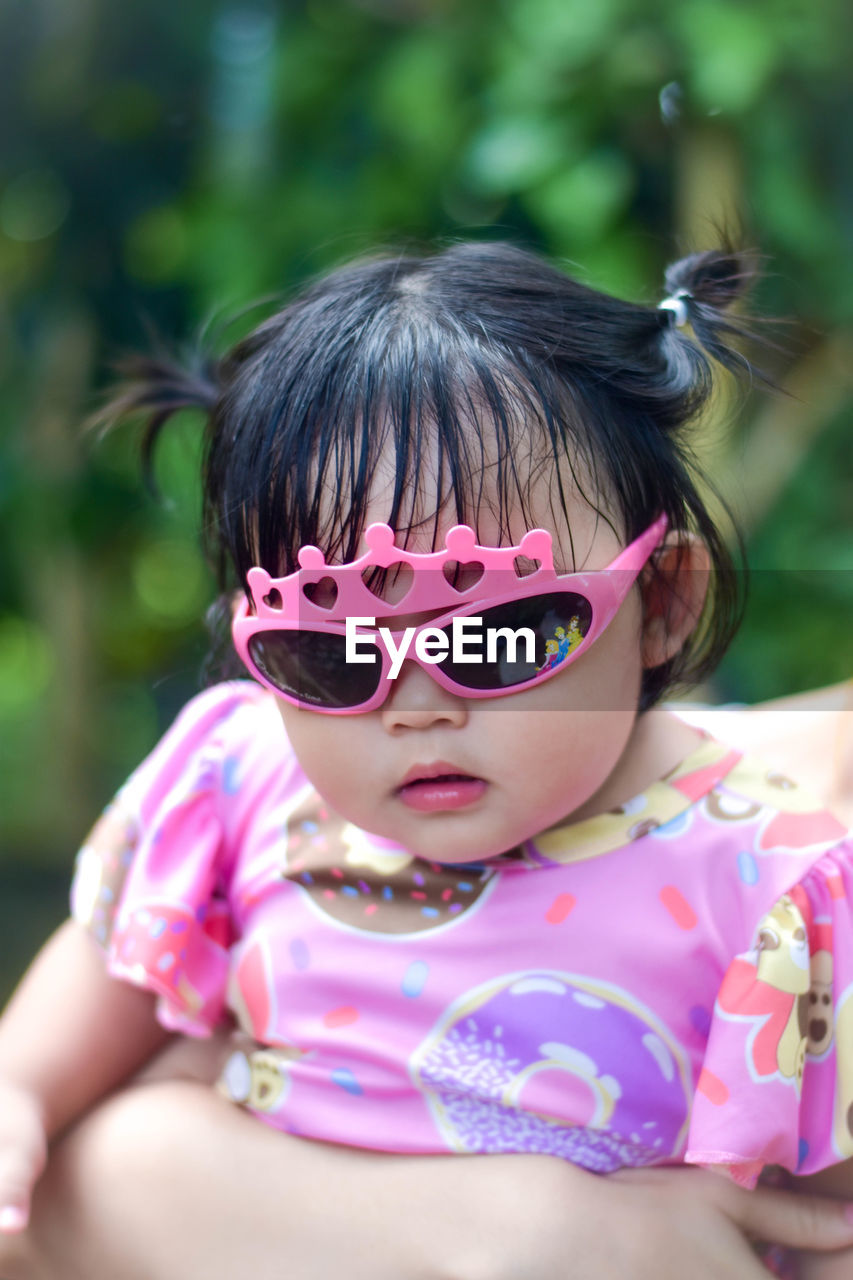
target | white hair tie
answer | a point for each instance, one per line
(678, 306)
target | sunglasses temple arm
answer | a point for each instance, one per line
(637, 553)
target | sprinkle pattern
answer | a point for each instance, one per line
(414, 979)
(678, 907)
(560, 908)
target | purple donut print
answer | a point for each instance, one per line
(556, 1064)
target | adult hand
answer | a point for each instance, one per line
(723, 1221)
(549, 1220)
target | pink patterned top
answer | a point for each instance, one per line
(672, 981)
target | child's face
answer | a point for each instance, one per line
(530, 759)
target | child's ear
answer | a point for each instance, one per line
(674, 590)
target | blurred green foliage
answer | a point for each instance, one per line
(165, 164)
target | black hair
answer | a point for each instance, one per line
(482, 353)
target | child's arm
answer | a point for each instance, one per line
(69, 1035)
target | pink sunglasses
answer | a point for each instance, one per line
(311, 636)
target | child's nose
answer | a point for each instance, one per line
(416, 701)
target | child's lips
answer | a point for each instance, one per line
(438, 786)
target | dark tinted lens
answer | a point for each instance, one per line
(558, 622)
(310, 666)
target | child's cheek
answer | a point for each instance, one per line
(318, 740)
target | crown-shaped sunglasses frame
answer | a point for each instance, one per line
(321, 597)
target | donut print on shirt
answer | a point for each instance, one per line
(352, 878)
(511, 1060)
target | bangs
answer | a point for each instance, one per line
(405, 422)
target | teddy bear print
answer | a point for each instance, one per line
(820, 1015)
(770, 986)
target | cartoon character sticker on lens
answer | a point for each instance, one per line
(555, 1063)
(563, 642)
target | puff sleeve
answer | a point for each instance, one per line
(777, 1082)
(149, 881)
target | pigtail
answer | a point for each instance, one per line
(695, 328)
(154, 388)
(701, 290)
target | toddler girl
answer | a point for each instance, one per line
(458, 880)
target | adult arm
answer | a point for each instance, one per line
(165, 1178)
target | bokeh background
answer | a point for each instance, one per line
(166, 164)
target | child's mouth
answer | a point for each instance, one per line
(436, 787)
